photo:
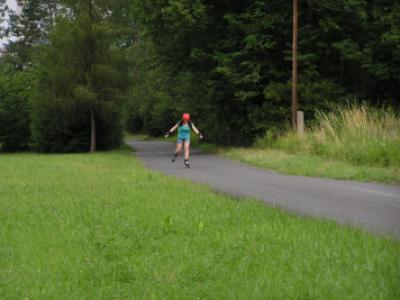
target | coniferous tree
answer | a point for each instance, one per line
(28, 29)
(83, 80)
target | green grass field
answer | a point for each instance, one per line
(102, 227)
(312, 165)
(305, 164)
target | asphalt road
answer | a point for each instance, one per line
(375, 207)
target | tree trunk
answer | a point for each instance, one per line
(90, 71)
(93, 131)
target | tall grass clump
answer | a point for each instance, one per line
(358, 134)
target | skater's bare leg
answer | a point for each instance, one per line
(187, 150)
(178, 150)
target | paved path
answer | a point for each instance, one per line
(374, 206)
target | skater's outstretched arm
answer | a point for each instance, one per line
(196, 130)
(171, 130)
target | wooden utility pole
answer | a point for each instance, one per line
(294, 63)
(93, 132)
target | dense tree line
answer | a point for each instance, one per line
(229, 62)
(97, 66)
(75, 53)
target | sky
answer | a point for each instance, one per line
(13, 5)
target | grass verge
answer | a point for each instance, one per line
(305, 164)
(102, 227)
(312, 165)
(355, 142)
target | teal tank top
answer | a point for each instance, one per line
(184, 130)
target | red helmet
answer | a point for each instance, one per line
(185, 117)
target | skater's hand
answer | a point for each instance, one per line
(200, 136)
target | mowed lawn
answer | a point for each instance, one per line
(103, 227)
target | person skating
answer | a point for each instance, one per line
(184, 127)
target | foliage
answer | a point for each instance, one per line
(82, 75)
(16, 90)
(29, 29)
(151, 105)
(83, 80)
(101, 227)
(229, 62)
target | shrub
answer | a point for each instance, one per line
(14, 111)
(61, 125)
